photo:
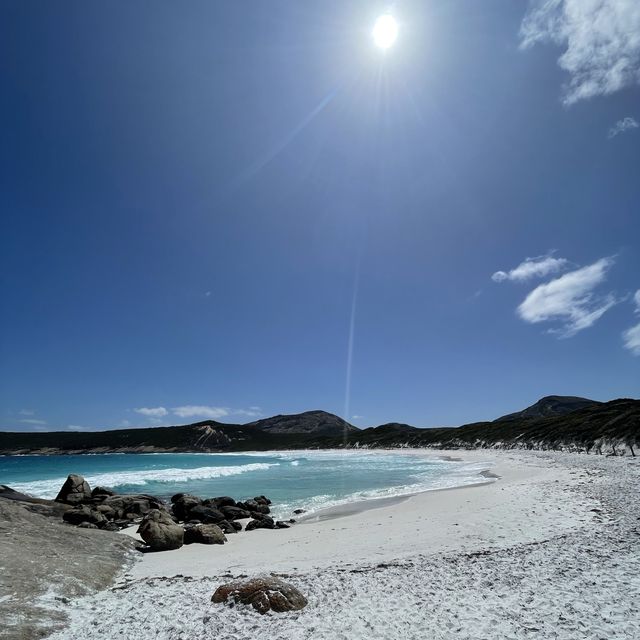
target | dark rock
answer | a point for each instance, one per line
(107, 511)
(110, 526)
(282, 525)
(262, 500)
(236, 525)
(262, 508)
(87, 525)
(102, 491)
(235, 513)
(264, 523)
(180, 496)
(256, 515)
(160, 532)
(263, 594)
(74, 490)
(299, 511)
(132, 506)
(227, 526)
(183, 505)
(207, 515)
(83, 513)
(204, 534)
(221, 501)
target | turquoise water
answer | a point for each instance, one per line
(310, 480)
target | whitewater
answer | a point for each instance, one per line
(310, 480)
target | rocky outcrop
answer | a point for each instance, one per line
(205, 514)
(206, 521)
(204, 534)
(128, 507)
(84, 514)
(182, 503)
(75, 490)
(160, 531)
(263, 594)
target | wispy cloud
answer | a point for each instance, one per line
(27, 412)
(623, 125)
(76, 427)
(33, 421)
(152, 412)
(631, 337)
(570, 300)
(538, 267)
(251, 412)
(201, 411)
(600, 38)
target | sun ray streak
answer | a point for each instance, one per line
(352, 326)
(259, 164)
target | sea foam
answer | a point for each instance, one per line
(49, 488)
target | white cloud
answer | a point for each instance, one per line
(27, 412)
(201, 411)
(33, 421)
(570, 300)
(623, 125)
(631, 339)
(152, 412)
(251, 412)
(532, 268)
(600, 39)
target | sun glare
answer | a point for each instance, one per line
(385, 31)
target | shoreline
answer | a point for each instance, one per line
(549, 550)
(359, 532)
(277, 457)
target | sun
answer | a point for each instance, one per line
(385, 31)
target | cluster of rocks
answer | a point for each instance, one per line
(225, 512)
(187, 520)
(101, 508)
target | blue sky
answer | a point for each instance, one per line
(211, 210)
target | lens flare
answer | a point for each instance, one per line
(385, 31)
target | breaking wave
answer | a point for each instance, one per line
(50, 488)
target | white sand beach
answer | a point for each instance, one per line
(549, 549)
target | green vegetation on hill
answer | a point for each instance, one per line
(608, 427)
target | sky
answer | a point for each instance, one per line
(211, 210)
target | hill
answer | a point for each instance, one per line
(277, 432)
(606, 427)
(550, 406)
(309, 422)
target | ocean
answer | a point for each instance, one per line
(310, 480)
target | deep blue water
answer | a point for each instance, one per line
(308, 479)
